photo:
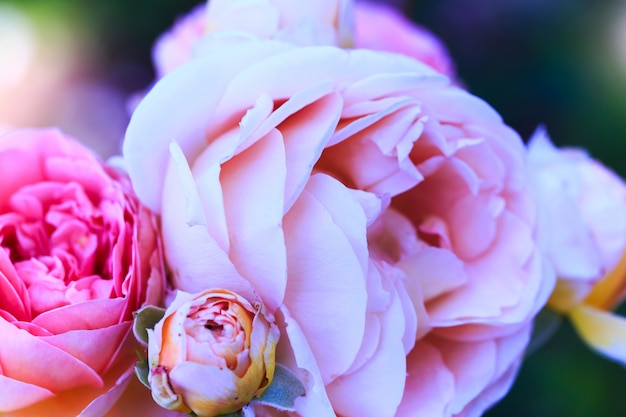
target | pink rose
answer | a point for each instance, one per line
(584, 217)
(175, 47)
(364, 24)
(382, 214)
(382, 28)
(583, 230)
(320, 22)
(79, 255)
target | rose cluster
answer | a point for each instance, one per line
(311, 217)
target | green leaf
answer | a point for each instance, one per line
(146, 318)
(141, 370)
(283, 390)
(546, 323)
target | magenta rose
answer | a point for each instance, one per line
(78, 256)
(380, 213)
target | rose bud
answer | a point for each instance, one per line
(211, 353)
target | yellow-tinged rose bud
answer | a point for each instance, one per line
(211, 353)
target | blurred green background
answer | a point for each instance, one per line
(557, 63)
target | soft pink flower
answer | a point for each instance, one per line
(381, 27)
(382, 214)
(583, 217)
(174, 47)
(78, 255)
(321, 22)
(363, 24)
(583, 231)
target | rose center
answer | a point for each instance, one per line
(214, 327)
(56, 237)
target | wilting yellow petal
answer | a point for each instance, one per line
(603, 331)
(606, 293)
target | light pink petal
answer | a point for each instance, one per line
(20, 350)
(294, 104)
(254, 186)
(453, 105)
(256, 16)
(87, 172)
(180, 108)
(196, 259)
(94, 314)
(94, 347)
(383, 374)
(435, 270)
(326, 287)
(569, 245)
(429, 383)
(394, 76)
(307, 66)
(473, 366)
(184, 378)
(392, 237)
(364, 114)
(295, 352)
(509, 356)
(488, 293)
(493, 393)
(473, 220)
(317, 122)
(17, 394)
(381, 27)
(13, 294)
(20, 168)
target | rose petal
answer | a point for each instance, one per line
(436, 271)
(300, 356)
(326, 286)
(88, 345)
(20, 350)
(253, 186)
(429, 384)
(383, 374)
(223, 384)
(13, 294)
(17, 394)
(196, 259)
(89, 315)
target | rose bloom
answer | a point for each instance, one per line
(79, 255)
(381, 214)
(381, 27)
(320, 22)
(584, 233)
(337, 22)
(214, 336)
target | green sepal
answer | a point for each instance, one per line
(141, 370)
(283, 391)
(545, 324)
(146, 318)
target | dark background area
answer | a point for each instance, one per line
(557, 63)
